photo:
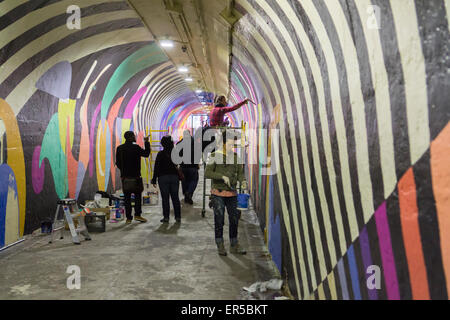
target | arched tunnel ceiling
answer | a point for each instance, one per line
(114, 23)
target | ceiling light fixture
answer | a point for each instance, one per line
(183, 69)
(166, 43)
(198, 91)
(189, 79)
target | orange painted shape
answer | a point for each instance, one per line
(440, 175)
(409, 215)
(16, 159)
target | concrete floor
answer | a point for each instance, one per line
(140, 261)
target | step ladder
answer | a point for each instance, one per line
(70, 211)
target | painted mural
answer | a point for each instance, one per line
(364, 147)
(357, 89)
(66, 99)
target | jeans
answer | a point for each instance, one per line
(137, 205)
(169, 186)
(219, 204)
(190, 180)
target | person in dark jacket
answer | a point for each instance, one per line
(128, 160)
(167, 175)
(189, 168)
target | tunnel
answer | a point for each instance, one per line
(349, 128)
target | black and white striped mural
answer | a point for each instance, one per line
(364, 93)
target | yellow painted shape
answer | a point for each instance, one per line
(66, 111)
(126, 123)
(100, 154)
(332, 285)
(321, 292)
(15, 157)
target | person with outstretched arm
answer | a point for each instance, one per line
(218, 112)
(128, 160)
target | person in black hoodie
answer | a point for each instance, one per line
(128, 160)
(167, 175)
(189, 168)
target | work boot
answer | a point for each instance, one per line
(237, 249)
(189, 199)
(221, 249)
(128, 221)
(140, 219)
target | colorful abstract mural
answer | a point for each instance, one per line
(363, 177)
(66, 99)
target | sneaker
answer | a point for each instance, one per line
(221, 249)
(237, 249)
(164, 220)
(140, 219)
(128, 221)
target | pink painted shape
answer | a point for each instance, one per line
(132, 104)
(72, 165)
(92, 140)
(37, 172)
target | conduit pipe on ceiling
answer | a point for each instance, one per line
(231, 19)
(204, 38)
(176, 9)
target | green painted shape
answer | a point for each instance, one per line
(239, 83)
(52, 150)
(138, 61)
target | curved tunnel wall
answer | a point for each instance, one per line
(362, 114)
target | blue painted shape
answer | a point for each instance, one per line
(274, 231)
(354, 273)
(7, 181)
(343, 280)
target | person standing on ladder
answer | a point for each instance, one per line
(218, 112)
(225, 175)
(128, 160)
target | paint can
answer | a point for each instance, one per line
(242, 200)
(146, 200)
(154, 197)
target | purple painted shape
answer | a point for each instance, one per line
(37, 173)
(57, 80)
(132, 104)
(92, 140)
(367, 259)
(387, 257)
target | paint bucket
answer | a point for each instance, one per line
(146, 200)
(242, 200)
(153, 196)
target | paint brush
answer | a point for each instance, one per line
(251, 101)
